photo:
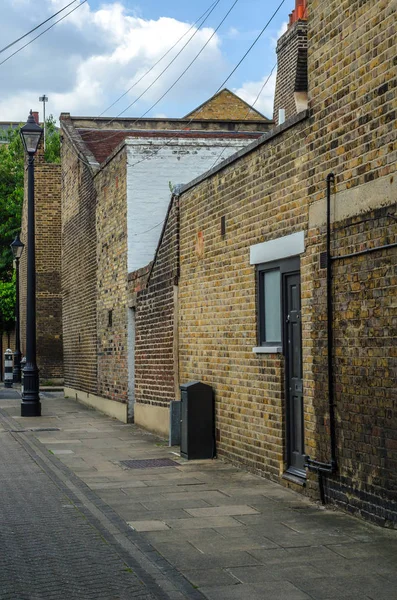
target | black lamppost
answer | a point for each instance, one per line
(31, 407)
(17, 248)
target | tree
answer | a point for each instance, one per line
(7, 304)
(12, 187)
(11, 198)
(53, 142)
(12, 162)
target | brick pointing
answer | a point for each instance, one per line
(78, 272)
(267, 193)
(262, 196)
(364, 292)
(95, 224)
(111, 279)
(154, 355)
(225, 105)
(287, 60)
(48, 268)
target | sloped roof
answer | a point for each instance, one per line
(102, 143)
(226, 105)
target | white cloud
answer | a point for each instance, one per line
(93, 56)
(250, 90)
(282, 29)
(232, 33)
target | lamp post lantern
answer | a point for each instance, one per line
(30, 406)
(17, 248)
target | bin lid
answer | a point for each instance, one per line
(190, 384)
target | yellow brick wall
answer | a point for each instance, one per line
(278, 189)
(48, 268)
(226, 105)
(111, 279)
(262, 196)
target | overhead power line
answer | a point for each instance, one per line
(37, 27)
(210, 8)
(43, 32)
(186, 124)
(252, 45)
(188, 67)
(173, 84)
(249, 110)
(231, 73)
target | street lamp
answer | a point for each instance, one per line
(17, 248)
(31, 407)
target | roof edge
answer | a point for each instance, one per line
(83, 153)
(288, 124)
(251, 108)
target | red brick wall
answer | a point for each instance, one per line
(154, 356)
(79, 261)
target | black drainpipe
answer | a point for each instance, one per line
(314, 465)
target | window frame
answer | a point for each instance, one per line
(286, 265)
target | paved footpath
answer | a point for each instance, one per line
(78, 522)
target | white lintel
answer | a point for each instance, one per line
(283, 247)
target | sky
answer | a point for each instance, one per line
(93, 56)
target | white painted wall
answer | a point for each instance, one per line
(152, 164)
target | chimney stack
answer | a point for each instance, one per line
(36, 116)
(291, 83)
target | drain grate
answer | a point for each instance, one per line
(149, 463)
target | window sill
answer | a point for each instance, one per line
(297, 479)
(267, 350)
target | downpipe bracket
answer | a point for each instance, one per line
(320, 467)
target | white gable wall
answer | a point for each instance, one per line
(152, 163)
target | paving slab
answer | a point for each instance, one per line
(215, 511)
(229, 533)
(210, 577)
(148, 525)
(203, 523)
(272, 591)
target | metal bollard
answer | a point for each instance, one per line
(23, 363)
(8, 376)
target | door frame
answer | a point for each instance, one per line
(289, 469)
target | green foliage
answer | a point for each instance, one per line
(7, 304)
(11, 198)
(53, 143)
(12, 187)
(12, 162)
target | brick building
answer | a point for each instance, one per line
(274, 279)
(116, 181)
(48, 268)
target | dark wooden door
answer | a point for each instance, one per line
(294, 381)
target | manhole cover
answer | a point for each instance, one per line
(149, 463)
